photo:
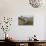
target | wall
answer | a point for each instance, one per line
(16, 8)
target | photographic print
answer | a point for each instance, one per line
(25, 20)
